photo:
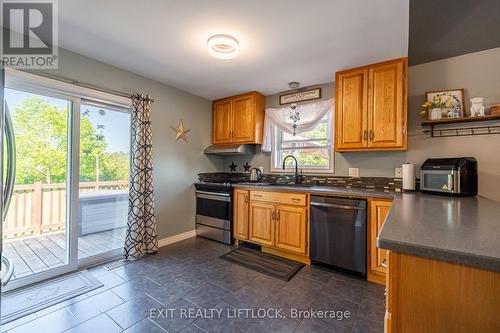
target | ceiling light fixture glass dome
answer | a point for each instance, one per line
(223, 46)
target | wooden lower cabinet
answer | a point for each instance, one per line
(377, 258)
(261, 228)
(426, 295)
(291, 233)
(277, 221)
(240, 213)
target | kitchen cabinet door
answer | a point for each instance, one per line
(243, 119)
(351, 111)
(221, 122)
(240, 214)
(261, 228)
(378, 257)
(291, 228)
(386, 112)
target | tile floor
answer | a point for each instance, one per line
(189, 275)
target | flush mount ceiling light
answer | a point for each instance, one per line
(223, 46)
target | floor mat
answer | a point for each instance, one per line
(20, 303)
(251, 257)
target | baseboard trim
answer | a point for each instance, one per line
(176, 238)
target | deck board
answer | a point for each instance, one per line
(39, 253)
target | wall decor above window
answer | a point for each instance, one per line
(301, 96)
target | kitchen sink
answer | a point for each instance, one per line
(278, 184)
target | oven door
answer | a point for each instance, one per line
(445, 181)
(213, 215)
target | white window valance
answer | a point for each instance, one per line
(310, 115)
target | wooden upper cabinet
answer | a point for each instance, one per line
(385, 118)
(238, 119)
(221, 131)
(240, 213)
(261, 226)
(371, 107)
(243, 119)
(291, 228)
(351, 115)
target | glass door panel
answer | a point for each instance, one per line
(36, 225)
(104, 172)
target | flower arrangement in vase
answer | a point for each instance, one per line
(443, 104)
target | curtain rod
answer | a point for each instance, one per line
(85, 84)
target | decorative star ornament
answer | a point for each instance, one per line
(247, 167)
(233, 167)
(180, 131)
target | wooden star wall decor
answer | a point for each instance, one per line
(180, 131)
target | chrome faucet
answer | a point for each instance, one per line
(298, 178)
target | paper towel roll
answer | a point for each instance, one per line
(408, 177)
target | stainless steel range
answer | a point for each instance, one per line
(214, 218)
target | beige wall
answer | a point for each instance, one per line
(478, 73)
(176, 164)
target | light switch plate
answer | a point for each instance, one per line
(398, 173)
(354, 172)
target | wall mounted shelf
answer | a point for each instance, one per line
(461, 131)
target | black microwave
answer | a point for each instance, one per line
(449, 176)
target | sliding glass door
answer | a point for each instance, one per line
(68, 156)
(37, 223)
(104, 171)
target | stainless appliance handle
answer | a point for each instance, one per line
(213, 196)
(10, 270)
(11, 162)
(320, 204)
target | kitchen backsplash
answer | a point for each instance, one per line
(379, 183)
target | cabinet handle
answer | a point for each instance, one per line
(295, 199)
(372, 135)
(257, 195)
(273, 215)
(365, 135)
(278, 215)
(246, 198)
(384, 263)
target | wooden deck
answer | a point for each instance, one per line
(39, 253)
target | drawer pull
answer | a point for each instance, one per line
(384, 263)
(295, 200)
(257, 195)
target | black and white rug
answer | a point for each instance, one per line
(20, 303)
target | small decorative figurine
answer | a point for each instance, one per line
(477, 107)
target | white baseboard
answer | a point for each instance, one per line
(176, 238)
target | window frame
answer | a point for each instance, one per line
(276, 136)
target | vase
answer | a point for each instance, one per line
(435, 114)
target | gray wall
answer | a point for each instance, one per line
(442, 29)
(176, 164)
(477, 72)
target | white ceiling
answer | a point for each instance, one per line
(281, 40)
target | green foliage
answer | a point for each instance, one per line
(42, 146)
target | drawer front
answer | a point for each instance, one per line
(297, 199)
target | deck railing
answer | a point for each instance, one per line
(41, 208)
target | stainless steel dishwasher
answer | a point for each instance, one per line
(338, 233)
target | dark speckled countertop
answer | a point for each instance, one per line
(458, 230)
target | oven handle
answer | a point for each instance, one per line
(213, 196)
(336, 206)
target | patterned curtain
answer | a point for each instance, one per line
(141, 235)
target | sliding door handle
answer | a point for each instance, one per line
(9, 267)
(10, 142)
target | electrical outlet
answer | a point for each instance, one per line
(398, 173)
(354, 172)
